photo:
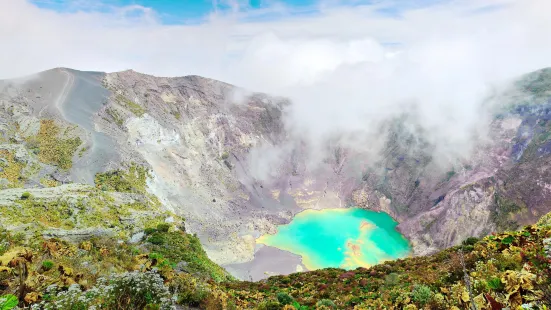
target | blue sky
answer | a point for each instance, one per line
(169, 11)
(189, 11)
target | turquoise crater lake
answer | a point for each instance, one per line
(344, 238)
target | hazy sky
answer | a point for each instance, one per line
(349, 65)
(288, 43)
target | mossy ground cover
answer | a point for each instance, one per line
(53, 144)
(504, 210)
(46, 182)
(11, 169)
(131, 180)
(99, 211)
(135, 108)
(117, 118)
(176, 246)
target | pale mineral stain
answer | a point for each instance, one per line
(345, 238)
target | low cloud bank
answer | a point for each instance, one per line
(349, 71)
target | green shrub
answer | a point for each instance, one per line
(8, 302)
(179, 246)
(298, 306)
(47, 265)
(284, 298)
(131, 180)
(156, 256)
(54, 149)
(468, 244)
(26, 195)
(495, 284)
(508, 262)
(163, 227)
(149, 231)
(508, 240)
(156, 238)
(392, 279)
(470, 241)
(421, 294)
(189, 291)
(126, 291)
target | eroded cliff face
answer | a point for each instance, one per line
(200, 140)
(504, 183)
(195, 139)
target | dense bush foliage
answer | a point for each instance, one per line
(131, 180)
(53, 146)
(130, 290)
(104, 274)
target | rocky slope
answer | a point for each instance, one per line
(198, 141)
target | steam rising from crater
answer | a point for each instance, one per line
(440, 81)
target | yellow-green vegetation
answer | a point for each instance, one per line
(132, 180)
(116, 116)
(11, 169)
(504, 210)
(82, 151)
(94, 209)
(53, 147)
(135, 108)
(38, 271)
(8, 302)
(175, 247)
(47, 182)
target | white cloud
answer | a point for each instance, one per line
(339, 67)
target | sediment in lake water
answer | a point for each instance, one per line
(344, 238)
